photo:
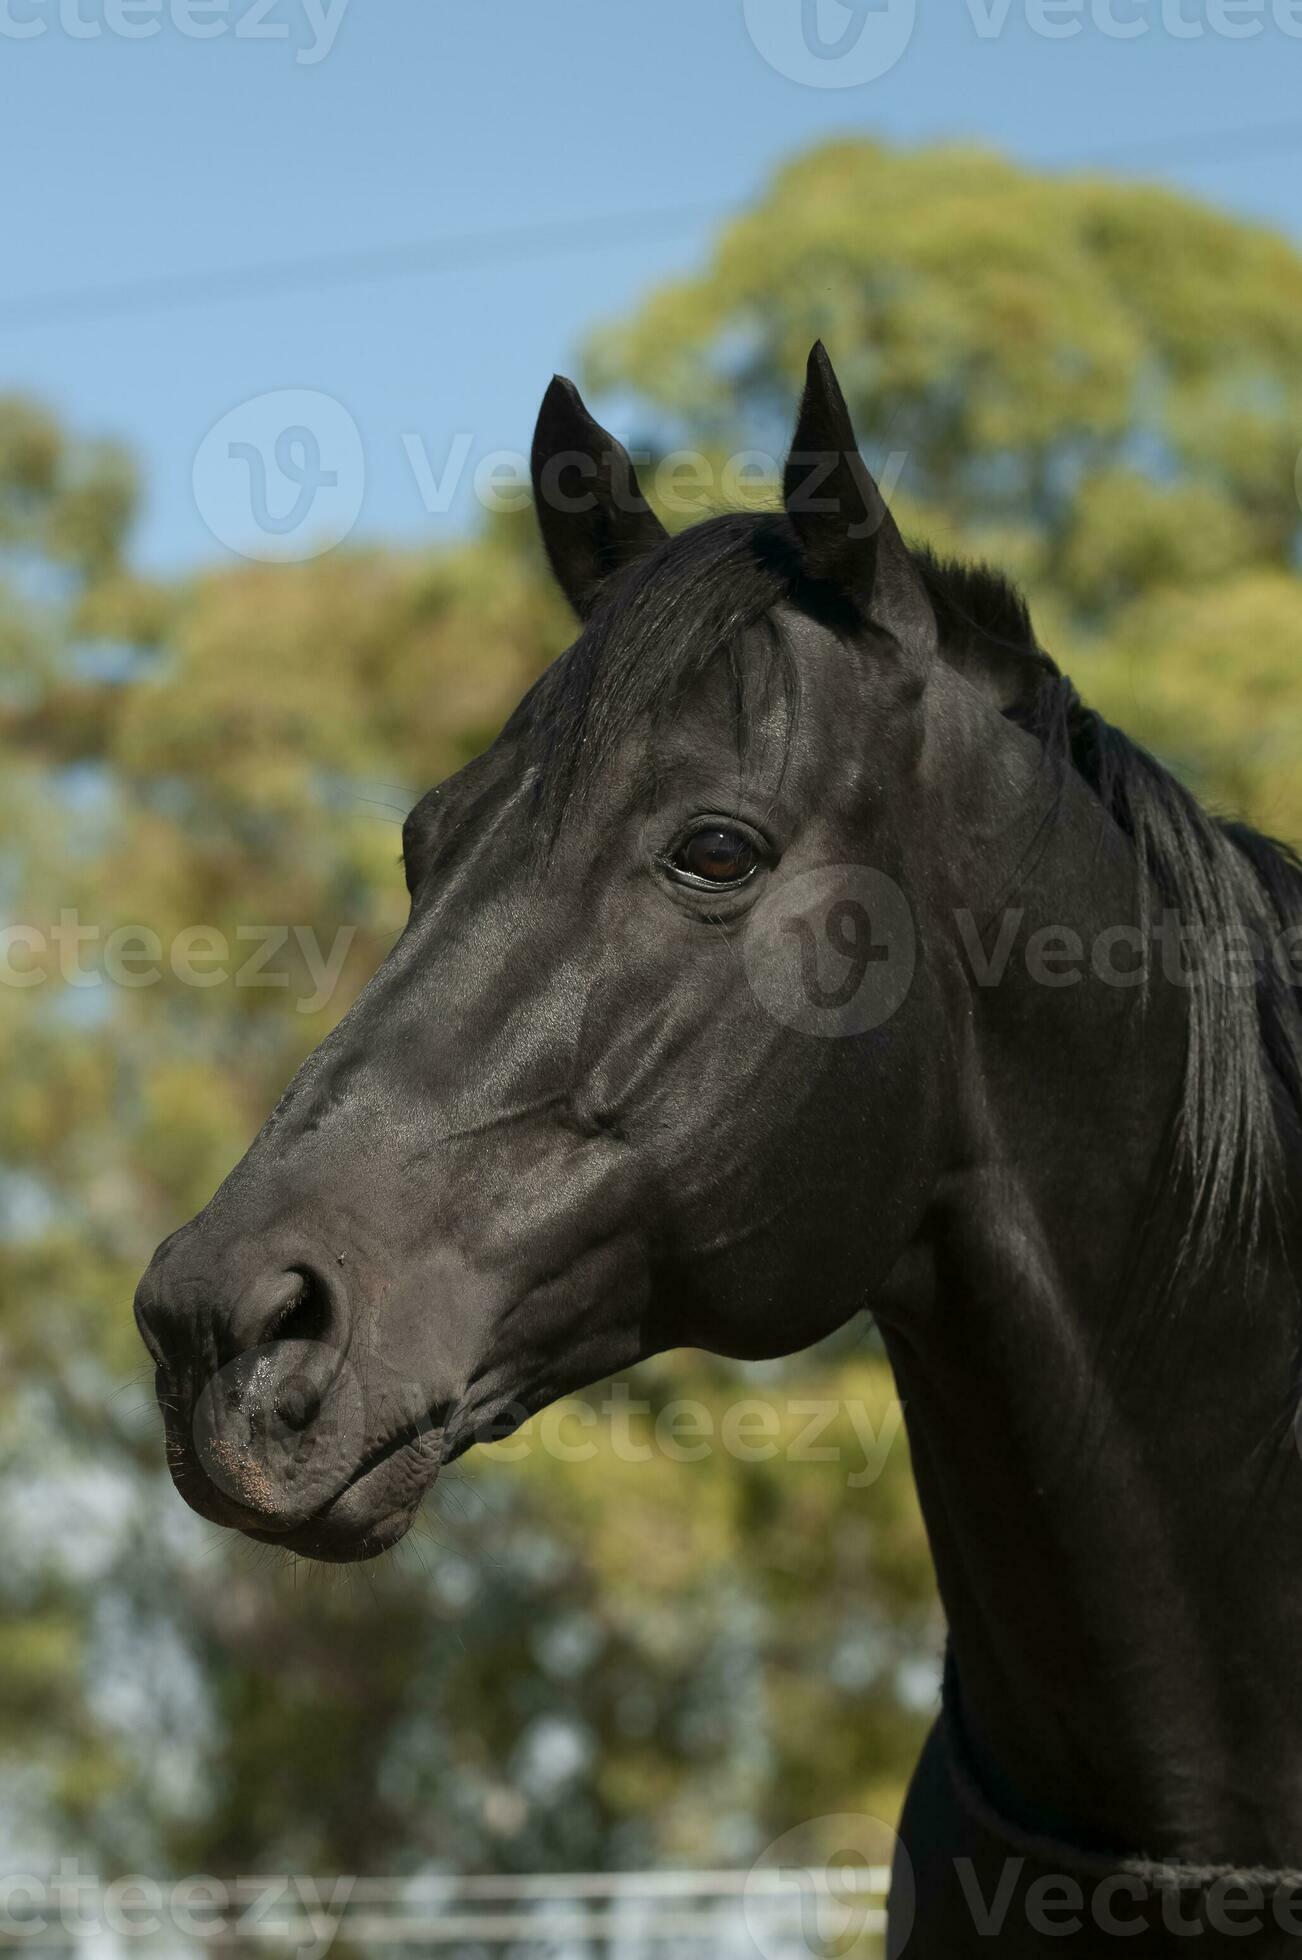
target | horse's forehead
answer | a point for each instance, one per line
(737, 716)
(495, 777)
(793, 691)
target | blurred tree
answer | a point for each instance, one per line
(1096, 384)
(619, 1658)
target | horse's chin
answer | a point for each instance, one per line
(334, 1541)
(369, 1516)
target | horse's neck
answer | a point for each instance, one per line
(1111, 1483)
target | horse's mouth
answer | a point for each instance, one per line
(368, 1512)
(375, 1508)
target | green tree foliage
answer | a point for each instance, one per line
(595, 1654)
(1095, 384)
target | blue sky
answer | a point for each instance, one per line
(388, 122)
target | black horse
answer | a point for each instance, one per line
(804, 946)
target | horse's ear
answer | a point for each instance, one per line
(848, 538)
(591, 511)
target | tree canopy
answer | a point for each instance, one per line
(1094, 384)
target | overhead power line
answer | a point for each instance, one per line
(320, 271)
(1214, 146)
(517, 244)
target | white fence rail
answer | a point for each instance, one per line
(762, 1914)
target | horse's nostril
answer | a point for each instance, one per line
(304, 1315)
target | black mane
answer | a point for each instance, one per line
(1227, 886)
(1224, 881)
(700, 595)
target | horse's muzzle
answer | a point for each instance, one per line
(267, 1425)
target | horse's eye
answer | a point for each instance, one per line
(719, 856)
